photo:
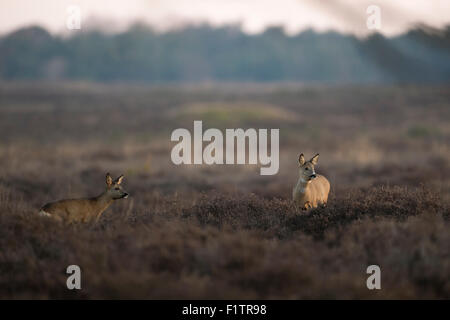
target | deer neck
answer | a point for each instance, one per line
(302, 185)
(102, 202)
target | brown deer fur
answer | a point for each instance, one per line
(84, 210)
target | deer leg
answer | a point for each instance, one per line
(307, 205)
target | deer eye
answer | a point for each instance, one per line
(306, 169)
(117, 188)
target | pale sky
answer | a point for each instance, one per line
(348, 16)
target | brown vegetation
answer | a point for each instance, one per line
(226, 231)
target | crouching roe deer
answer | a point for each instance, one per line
(84, 210)
(311, 189)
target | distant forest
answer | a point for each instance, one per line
(226, 54)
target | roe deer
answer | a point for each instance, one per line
(84, 210)
(312, 189)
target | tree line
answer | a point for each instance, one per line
(226, 54)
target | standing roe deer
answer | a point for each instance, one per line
(85, 209)
(312, 189)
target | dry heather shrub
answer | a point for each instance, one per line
(413, 255)
(275, 217)
(234, 246)
(227, 245)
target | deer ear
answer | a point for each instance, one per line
(315, 159)
(301, 159)
(109, 180)
(119, 180)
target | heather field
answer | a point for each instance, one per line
(225, 231)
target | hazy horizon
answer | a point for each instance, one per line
(294, 16)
